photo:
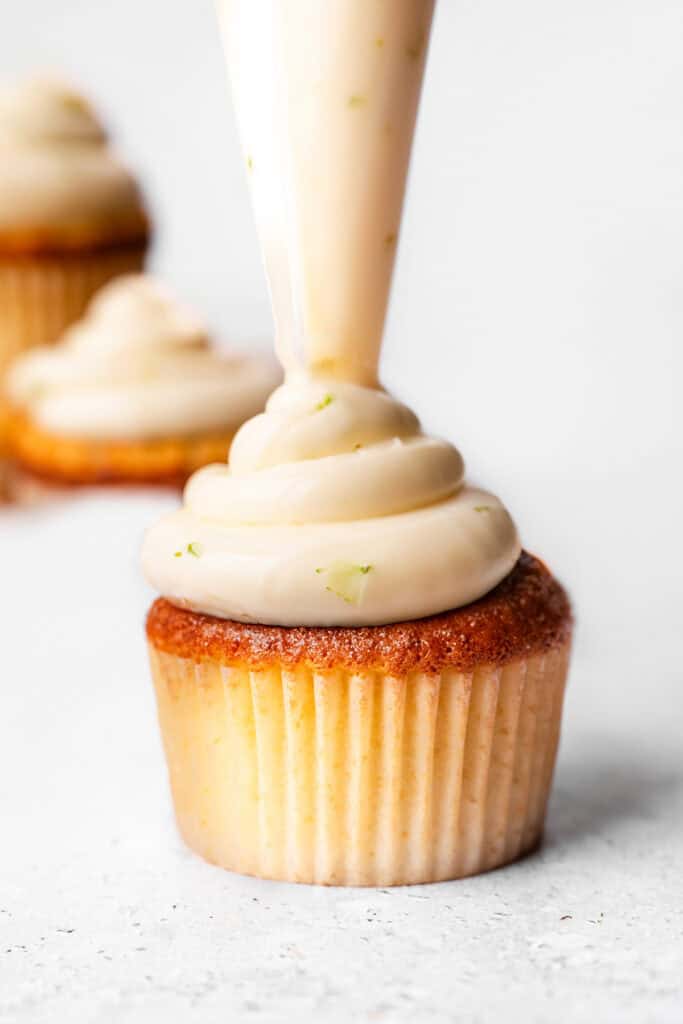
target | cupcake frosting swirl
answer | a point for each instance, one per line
(59, 179)
(335, 510)
(138, 366)
(42, 112)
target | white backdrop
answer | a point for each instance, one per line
(537, 320)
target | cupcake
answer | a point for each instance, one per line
(132, 393)
(71, 215)
(324, 719)
(359, 673)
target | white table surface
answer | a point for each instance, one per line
(105, 917)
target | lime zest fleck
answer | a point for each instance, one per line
(177, 554)
(338, 593)
(195, 549)
(355, 101)
(250, 163)
(346, 581)
(483, 508)
(326, 400)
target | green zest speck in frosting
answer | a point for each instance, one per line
(324, 402)
(346, 581)
(193, 548)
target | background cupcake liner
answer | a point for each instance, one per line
(360, 779)
(42, 295)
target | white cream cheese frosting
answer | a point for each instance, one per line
(57, 172)
(138, 366)
(335, 509)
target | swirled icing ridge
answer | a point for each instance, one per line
(379, 530)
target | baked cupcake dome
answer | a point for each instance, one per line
(385, 741)
(71, 215)
(133, 393)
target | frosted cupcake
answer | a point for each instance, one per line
(359, 673)
(71, 215)
(133, 393)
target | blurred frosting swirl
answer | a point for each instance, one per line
(138, 365)
(60, 182)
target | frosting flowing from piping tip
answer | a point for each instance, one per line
(335, 509)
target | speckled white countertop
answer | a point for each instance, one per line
(105, 917)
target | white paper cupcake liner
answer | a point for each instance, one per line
(360, 779)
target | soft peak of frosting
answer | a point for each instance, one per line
(309, 419)
(42, 111)
(332, 454)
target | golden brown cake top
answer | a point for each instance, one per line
(525, 614)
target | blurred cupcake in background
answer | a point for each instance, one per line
(133, 393)
(71, 215)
